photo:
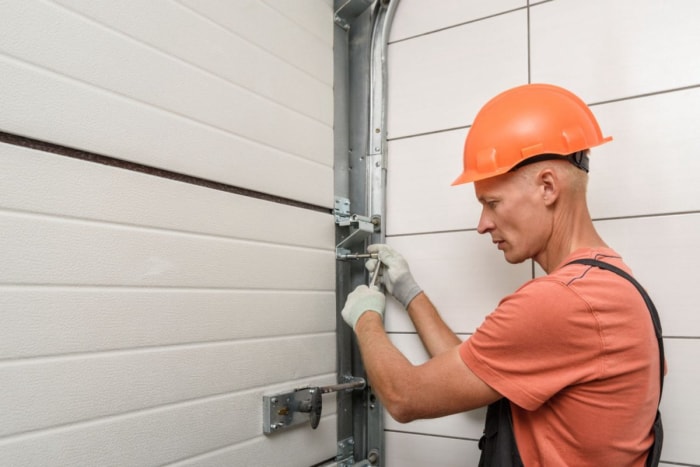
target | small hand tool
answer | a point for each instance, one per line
(375, 275)
(354, 256)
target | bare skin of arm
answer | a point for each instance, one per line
(442, 386)
(436, 336)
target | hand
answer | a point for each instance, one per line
(360, 300)
(396, 276)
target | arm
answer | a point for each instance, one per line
(436, 336)
(396, 276)
(442, 386)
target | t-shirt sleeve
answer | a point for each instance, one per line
(539, 340)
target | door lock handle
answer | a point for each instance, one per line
(284, 410)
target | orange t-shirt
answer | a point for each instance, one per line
(576, 354)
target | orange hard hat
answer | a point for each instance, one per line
(524, 122)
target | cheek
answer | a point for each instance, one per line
(533, 224)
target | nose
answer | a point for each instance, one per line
(486, 224)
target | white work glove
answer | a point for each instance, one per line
(360, 300)
(396, 276)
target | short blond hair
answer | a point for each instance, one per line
(575, 179)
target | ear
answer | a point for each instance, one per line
(550, 185)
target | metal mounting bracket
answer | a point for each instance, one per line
(349, 10)
(286, 409)
(346, 456)
(361, 227)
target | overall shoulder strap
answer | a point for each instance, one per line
(650, 305)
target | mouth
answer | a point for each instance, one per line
(499, 243)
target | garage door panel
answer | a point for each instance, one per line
(34, 181)
(58, 390)
(257, 22)
(151, 136)
(40, 321)
(44, 250)
(149, 77)
(132, 100)
(225, 425)
(212, 48)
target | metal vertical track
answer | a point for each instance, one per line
(376, 167)
(362, 31)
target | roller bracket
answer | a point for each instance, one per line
(360, 227)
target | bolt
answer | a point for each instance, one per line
(273, 401)
(373, 456)
(277, 426)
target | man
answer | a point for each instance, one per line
(574, 351)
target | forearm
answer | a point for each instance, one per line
(388, 371)
(436, 336)
(441, 386)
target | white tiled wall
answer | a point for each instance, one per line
(638, 64)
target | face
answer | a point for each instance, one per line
(514, 214)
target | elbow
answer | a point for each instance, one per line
(402, 416)
(400, 409)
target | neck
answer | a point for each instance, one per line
(572, 229)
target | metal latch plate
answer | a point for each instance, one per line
(282, 410)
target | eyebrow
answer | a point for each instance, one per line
(486, 198)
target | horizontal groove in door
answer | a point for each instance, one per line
(53, 148)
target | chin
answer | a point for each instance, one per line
(513, 259)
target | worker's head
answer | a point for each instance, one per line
(524, 209)
(527, 154)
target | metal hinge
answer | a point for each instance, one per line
(346, 456)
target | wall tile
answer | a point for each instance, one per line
(663, 254)
(435, 85)
(606, 50)
(680, 407)
(413, 18)
(650, 167)
(419, 191)
(409, 450)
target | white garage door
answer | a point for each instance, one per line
(167, 243)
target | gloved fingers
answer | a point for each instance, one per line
(361, 300)
(386, 254)
(377, 247)
(371, 264)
